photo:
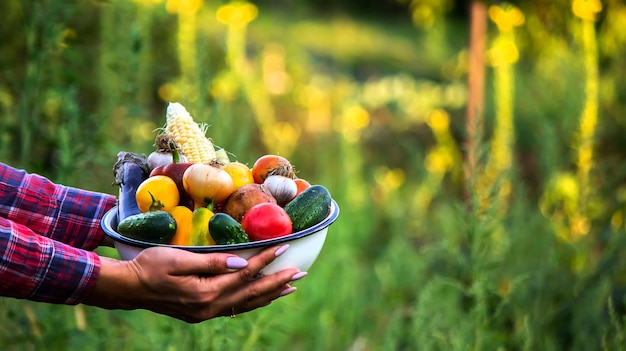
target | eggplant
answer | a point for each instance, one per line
(130, 171)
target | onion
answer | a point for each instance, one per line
(166, 152)
(283, 189)
(207, 185)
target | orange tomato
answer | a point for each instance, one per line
(240, 173)
(157, 193)
(182, 215)
(301, 184)
(267, 165)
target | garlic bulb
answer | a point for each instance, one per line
(161, 158)
(283, 189)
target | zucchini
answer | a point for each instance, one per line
(226, 230)
(200, 235)
(310, 207)
(153, 226)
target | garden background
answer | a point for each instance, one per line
(476, 150)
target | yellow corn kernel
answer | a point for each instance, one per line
(188, 135)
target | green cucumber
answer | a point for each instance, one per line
(153, 226)
(310, 207)
(226, 230)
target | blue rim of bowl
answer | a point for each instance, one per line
(110, 219)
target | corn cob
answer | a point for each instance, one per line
(188, 135)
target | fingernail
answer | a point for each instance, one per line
(288, 291)
(298, 275)
(281, 250)
(235, 262)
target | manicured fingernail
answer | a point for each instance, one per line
(288, 291)
(298, 275)
(234, 262)
(281, 250)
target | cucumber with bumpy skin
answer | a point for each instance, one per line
(153, 226)
(225, 230)
(310, 207)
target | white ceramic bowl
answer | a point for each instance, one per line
(304, 246)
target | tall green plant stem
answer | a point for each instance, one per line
(253, 88)
(589, 117)
(502, 56)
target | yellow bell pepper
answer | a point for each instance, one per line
(183, 216)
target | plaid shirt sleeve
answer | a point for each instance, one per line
(46, 232)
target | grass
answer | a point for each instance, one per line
(411, 263)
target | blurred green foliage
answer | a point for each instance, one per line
(369, 99)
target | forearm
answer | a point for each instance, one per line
(114, 285)
(61, 213)
(40, 269)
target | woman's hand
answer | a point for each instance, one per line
(190, 286)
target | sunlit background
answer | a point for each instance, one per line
(476, 150)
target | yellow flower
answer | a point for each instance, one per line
(237, 13)
(183, 6)
(566, 188)
(352, 121)
(439, 121)
(586, 9)
(438, 161)
(357, 117)
(507, 17)
(503, 52)
(423, 15)
(390, 179)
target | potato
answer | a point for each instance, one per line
(244, 198)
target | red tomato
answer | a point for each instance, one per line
(266, 221)
(271, 165)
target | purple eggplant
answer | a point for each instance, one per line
(130, 170)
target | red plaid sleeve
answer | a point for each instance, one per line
(41, 269)
(45, 230)
(65, 214)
